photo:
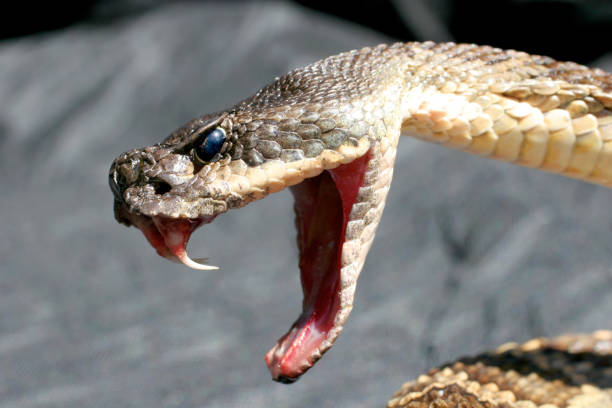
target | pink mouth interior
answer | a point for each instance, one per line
(322, 207)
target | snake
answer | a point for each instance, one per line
(329, 131)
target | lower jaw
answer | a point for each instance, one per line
(322, 208)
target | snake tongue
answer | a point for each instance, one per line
(322, 208)
(170, 236)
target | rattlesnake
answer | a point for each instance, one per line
(330, 131)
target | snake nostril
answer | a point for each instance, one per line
(161, 187)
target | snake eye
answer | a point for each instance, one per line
(210, 144)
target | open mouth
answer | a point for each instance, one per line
(322, 207)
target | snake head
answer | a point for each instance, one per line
(307, 130)
(168, 190)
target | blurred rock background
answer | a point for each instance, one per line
(470, 253)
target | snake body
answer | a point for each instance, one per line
(573, 371)
(330, 130)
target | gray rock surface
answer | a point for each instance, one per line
(470, 253)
